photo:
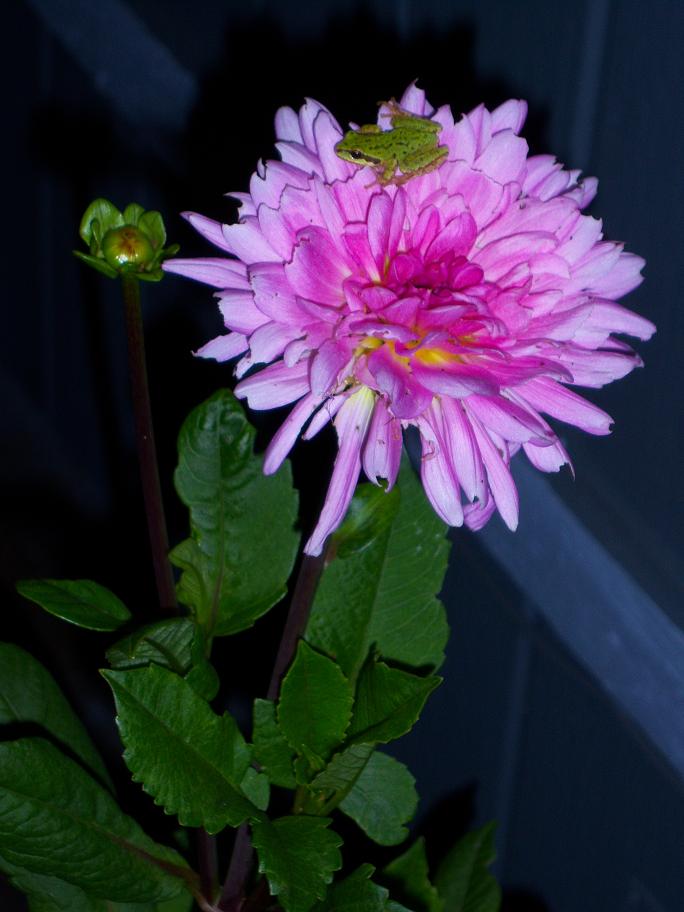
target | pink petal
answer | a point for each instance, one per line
(223, 348)
(325, 414)
(327, 133)
(508, 420)
(414, 100)
(275, 385)
(503, 158)
(436, 472)
(286, 435)
(545, 395)
(326, 365)
(463, 449)
(509, 116)
(273, 294)
(317, 270)
(208, 228)
(382, 450)
(500, 480)
(246, 241)
(287, 125)
(239, 312)
(351, 425)
(216, 271)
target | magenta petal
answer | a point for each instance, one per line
(456, 237)
(351, 425)
(324, 415)
(508, 420)
(407, 398)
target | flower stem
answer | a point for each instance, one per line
(232, 896)
(300, 606)
(156, 519)
(147, 452)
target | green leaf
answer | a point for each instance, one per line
(132, 213)
(153, 225)
(388, 702)
(343, 770)
(80, 602)
(298, 855)
(382, 799)
(385, 593)
(463, 879)
(356, 893)
(57, 821)
(166, 643)
(29, 693)
(237, 563)
(189, 759)
(409, 876)
(256, 787)
(176, 644)
(96, 263)
(105, 214)
(315, 705)
(271, 750)
(49, 894)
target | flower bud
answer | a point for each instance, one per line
(127, 249)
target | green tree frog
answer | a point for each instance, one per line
(410, 146)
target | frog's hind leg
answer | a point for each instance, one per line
(422, 163)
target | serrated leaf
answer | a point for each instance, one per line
(271, 750)
(204, 680)
(298, 855)
(105, 213)
(388, 702)
(315, 705)
(463, 879)
(29, 693)
(81, 602)
(410, 877)
(189, 759)
(57, 821)
(343, 770)
(385, 594)
(382, 799)
(356, 893)
(167, 643)
(237, 563)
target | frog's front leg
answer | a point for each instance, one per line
(387, 172)
(421, 162)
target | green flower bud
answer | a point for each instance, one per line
(127, 243)
(127, 249)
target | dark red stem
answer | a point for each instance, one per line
(147, 452)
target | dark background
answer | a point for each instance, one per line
(171, 104)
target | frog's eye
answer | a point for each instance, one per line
(357, 156)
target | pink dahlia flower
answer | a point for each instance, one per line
(465, 301)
